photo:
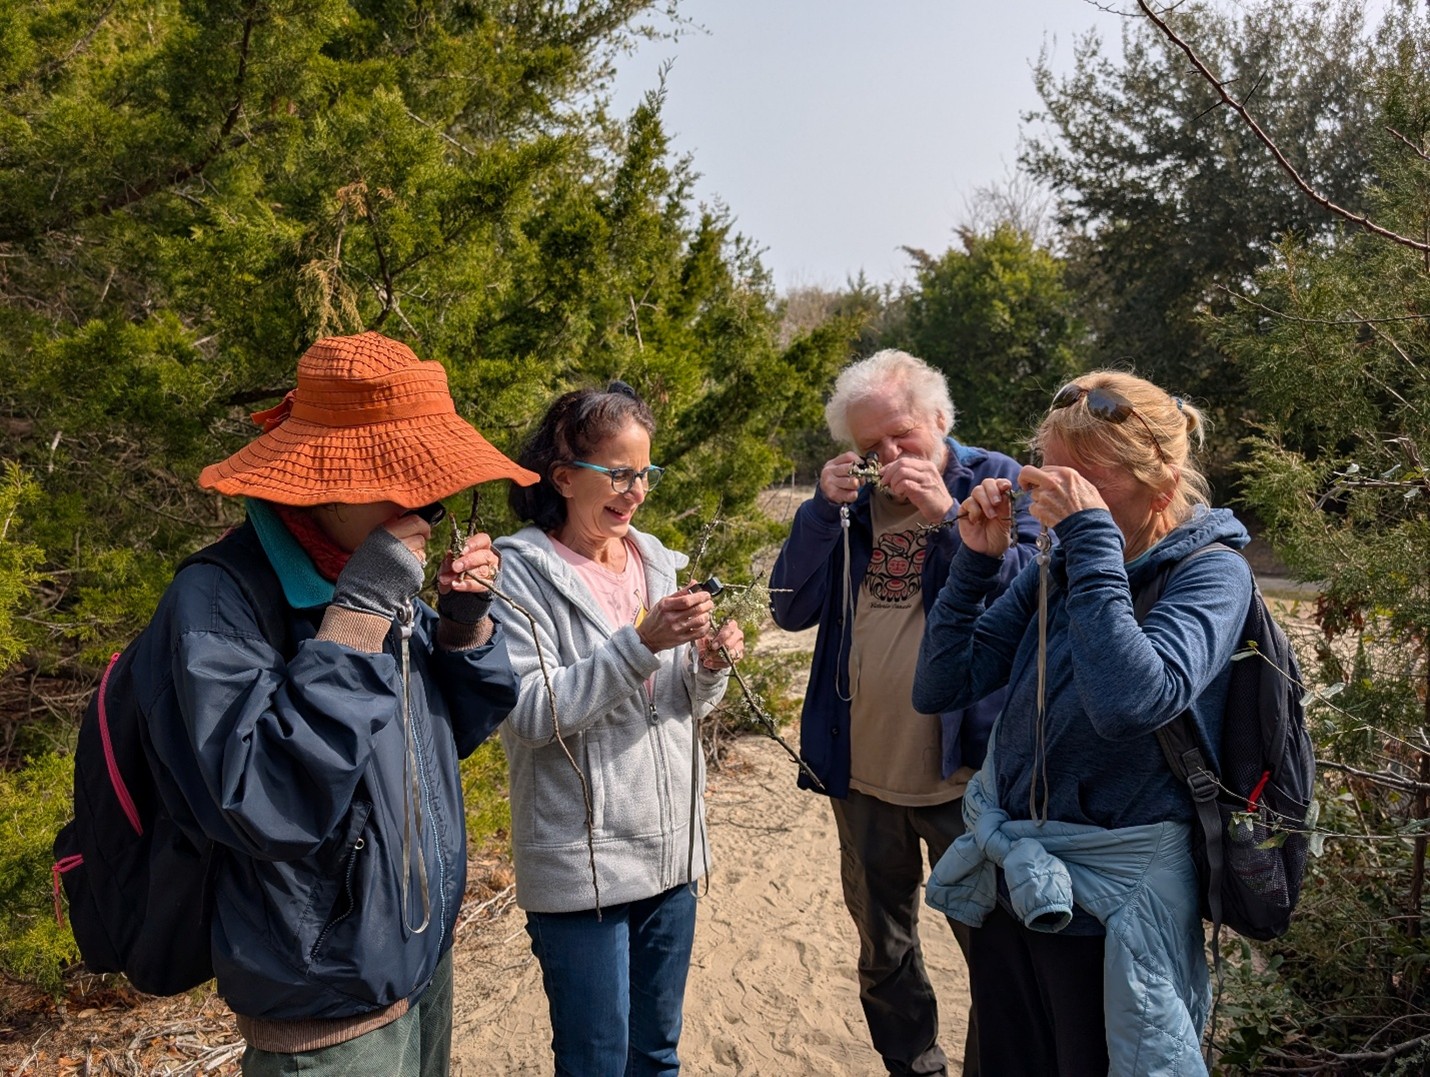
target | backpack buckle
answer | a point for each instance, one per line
(1203, 784)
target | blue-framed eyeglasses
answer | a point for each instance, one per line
(623, 479)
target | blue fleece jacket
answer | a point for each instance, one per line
(807, 585)
(1110, 681)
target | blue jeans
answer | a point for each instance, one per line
(616, 986)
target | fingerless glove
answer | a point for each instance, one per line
(381, 577)
(464, 607)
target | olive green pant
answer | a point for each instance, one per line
(417, 1044)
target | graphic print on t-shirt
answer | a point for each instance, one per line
(896, 567)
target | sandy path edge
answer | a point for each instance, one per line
(772, 984)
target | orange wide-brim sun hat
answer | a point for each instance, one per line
(369, 421)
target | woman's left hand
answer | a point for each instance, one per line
(472, 569)
(1055, 493)
(730, 637)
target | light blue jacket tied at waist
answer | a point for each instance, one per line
(1139, 881)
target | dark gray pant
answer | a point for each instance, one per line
(1047, 992)
(882, 868)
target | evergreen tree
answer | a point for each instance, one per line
(998, 319)
(1334, 339)
(1168, 198)
(192, 193)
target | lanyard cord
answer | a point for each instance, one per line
(847, 627)
(412, 793)
(1036, 811)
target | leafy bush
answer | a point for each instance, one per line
(34, 804)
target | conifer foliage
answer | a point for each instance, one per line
(192, 192)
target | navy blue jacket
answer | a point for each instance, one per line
(807, 585)
(295, 769)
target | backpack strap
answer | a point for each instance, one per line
(240, 554)
(1181, 746)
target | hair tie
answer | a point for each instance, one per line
(1178, 401)
(622, 389)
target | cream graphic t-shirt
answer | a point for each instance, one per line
(896, 753)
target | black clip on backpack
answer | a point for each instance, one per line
(140, 888)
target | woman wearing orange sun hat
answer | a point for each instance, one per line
(324, 768)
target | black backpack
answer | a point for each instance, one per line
(1250, 841)
(140, 887)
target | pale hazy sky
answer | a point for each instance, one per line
(838, 131)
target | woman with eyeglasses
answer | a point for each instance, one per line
(1077, 872)
(618, 663)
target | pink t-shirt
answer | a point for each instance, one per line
(621, 595)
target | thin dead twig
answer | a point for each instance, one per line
(1361, 220)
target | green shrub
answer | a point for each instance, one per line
(34, 803)
(484, 789)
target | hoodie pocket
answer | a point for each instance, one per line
(559, 794)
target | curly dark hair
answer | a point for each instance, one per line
(576, 424)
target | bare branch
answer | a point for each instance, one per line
(1413, 147)
(1360, 220)
(1382, 779)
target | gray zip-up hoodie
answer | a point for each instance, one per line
(636, 749)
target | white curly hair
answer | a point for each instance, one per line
(925, 390)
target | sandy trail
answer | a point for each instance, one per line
(772, 984)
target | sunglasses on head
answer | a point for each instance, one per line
(1108, 405)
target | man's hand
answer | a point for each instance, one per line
(836, 482)
(919, 482)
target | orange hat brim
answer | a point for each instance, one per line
(411, 462)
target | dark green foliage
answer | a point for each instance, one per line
(997, 318)
(1170, 198)
(33, 946)
(191, 193)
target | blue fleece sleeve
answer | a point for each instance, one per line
(1131, 678)
(968, 647)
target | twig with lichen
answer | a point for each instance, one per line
(741, 603)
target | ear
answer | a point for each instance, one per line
(1168, 491)
(561, 479)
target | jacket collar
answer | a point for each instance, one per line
(303, 587)
(661, 565)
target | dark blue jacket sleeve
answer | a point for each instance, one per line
(267, 754)
(800, 580)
